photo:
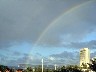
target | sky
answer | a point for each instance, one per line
(54, 30)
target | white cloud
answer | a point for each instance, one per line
(51, 58)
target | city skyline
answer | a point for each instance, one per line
(54, 30)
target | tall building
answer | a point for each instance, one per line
(84, 57)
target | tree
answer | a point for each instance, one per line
(84, 65)
(29, 69)
(63, 69)
(3, 68)
(72, 68)
(92, 66)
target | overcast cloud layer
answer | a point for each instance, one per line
(25, 21)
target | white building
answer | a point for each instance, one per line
(84, 57)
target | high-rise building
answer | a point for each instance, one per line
(84, 57)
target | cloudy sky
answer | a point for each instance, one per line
(54, 30)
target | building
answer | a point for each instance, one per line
(84, 57)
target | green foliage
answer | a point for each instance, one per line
(29, 69)
(70, 68)
(2, 68)
(73, 68)
(92, 66)
(84, 66)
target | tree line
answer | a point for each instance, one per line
(69, 68)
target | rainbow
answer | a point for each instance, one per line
(54, 22)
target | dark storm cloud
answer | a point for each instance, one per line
(69, 57)
(63, 58)
(73, 27)
(66, 57)
(25, 20)
(22, 20)
(63, 54)
(3, 59)
(17, 53)
(37, 60)
(91, 44)
(25, 59)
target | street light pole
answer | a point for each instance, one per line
(55, 66)
(42, 65)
